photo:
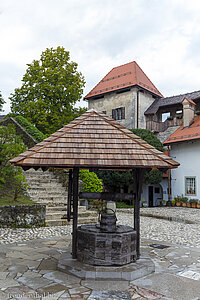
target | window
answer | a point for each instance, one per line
(118, 113)
(190, 185)
(157, 190)
(165, 116)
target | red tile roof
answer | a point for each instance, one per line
(185, 134)
(189, 100)
(124, 76)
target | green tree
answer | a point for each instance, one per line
(1, 102)
(114, 180)
(50, 88)
(11, 145)
(153, 176)
(149, 137)
(91, 182)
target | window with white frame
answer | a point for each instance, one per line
(190, 186)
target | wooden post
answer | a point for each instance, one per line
(69, 198)
(169, 177)
(138, 183)
(75, 211)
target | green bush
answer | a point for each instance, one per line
(180, 199)
(149, 137)
(91, 182)
(153, 176)
(30, 128)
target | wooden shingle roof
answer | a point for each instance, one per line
(94, 141)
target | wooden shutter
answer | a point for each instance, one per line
(123, 112)
(114, 114)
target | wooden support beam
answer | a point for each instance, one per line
(75, 211)
(139, 174)
(106, 196)
(69, 197)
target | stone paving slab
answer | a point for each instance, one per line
(35, 276)
(20, 291)
(120, 285)
(6, 283)
(131, 271)
(172, 286)
(34, 282)
(62, 278)
(24, 261)
(105, 295)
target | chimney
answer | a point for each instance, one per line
(188, 111)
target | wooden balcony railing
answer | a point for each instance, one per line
(162, 126)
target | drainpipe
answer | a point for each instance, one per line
(137, 109)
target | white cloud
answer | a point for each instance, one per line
(162, 36)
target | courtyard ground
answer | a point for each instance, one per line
(29, 257)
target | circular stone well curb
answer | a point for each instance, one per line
(142, 267)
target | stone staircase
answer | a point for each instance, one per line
(45, 188)
(54, 216)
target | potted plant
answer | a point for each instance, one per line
(188, 204)
(179, 116)
(144, 203)
(184, 201)
(173, 202)
(193, 202)
(198, 112)
(178, 200)
(163, 202)
(198, 204)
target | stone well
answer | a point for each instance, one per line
(95, 247)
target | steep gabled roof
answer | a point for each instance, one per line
(121, 77)
(94, 141)
(185, 134)
(168, 101)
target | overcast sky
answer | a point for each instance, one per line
(162, 36)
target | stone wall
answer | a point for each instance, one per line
(127, 99)
(22, 215)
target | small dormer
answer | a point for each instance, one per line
(188, 111)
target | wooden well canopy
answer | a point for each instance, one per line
(93, 140)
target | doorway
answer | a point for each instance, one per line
(150, 196)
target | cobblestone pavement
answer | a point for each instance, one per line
(176, 232)
(28, 263)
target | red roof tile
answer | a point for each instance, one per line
(121, 77)
(185, 134)
(189, 100)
